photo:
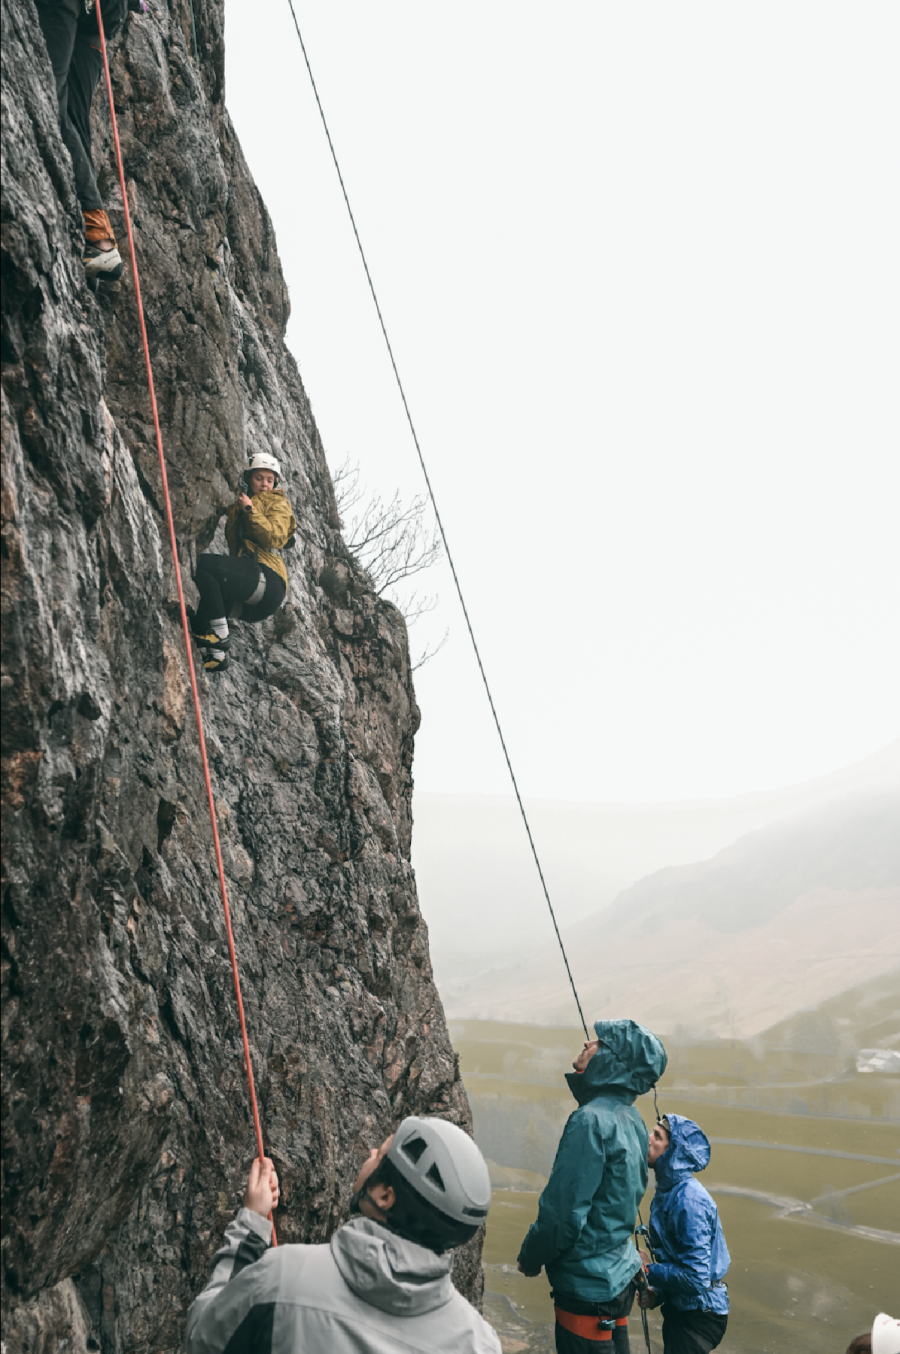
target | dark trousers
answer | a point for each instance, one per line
(691, 1332)
(567, 1342)
(73, 45)
(224, 580)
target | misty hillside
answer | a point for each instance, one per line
(852, 845)
(865, 1016)
(783, 919)
(480, 891)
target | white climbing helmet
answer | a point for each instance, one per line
(885, 1334)
(444, 1167)
(261, 460)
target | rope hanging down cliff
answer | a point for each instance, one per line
(440, 525)
(184, 620)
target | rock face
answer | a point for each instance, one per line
(126, 1123)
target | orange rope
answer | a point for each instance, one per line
(184, 620)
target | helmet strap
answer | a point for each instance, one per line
(355, 1198)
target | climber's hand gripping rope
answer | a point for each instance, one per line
(263, 1191)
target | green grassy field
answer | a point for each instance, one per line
(797, 1284)
(798, 1287)
(765, 1075)
(790, 1173)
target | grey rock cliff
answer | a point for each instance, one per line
(126, 1123)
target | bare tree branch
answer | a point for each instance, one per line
(428, 652)
(390, 540)
(347, 488)
(392, 543)
(415, 606)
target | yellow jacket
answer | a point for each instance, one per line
(266, 529)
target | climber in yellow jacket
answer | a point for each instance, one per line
(258, 528)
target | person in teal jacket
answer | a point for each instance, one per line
(586, 1215)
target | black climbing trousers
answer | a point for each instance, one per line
(691, 1332)
(567, 1342)
(73, 45)
(224, 580)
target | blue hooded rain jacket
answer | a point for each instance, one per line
(586, 1215)
(685, 1231)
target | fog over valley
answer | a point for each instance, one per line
(722, 916)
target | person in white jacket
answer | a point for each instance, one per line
(381, 1285)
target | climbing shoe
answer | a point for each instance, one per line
(104, 264)
(214, 660)
(210, 640)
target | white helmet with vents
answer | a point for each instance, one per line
(445, 1168)
(261, 460)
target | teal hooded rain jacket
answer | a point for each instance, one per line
(587, 1213)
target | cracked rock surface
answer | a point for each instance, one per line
(126, 1124)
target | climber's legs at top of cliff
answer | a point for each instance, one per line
(73, 45)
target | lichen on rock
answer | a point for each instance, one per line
(126, 1124)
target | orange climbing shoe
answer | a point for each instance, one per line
(105, 264)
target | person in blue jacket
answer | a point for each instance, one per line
(586, 1215)
(690, 1258)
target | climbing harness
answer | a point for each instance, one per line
(439, 523)
(184, 620)
(598, 1329)
(258, 592)
(252, 552)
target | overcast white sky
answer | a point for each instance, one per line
(639, 267)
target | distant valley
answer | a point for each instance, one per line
(774, 920)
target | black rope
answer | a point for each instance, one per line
(641, 1277)
(439, 522)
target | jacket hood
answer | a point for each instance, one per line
(688, 1151)
(629, 1056)
(392, 1274)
